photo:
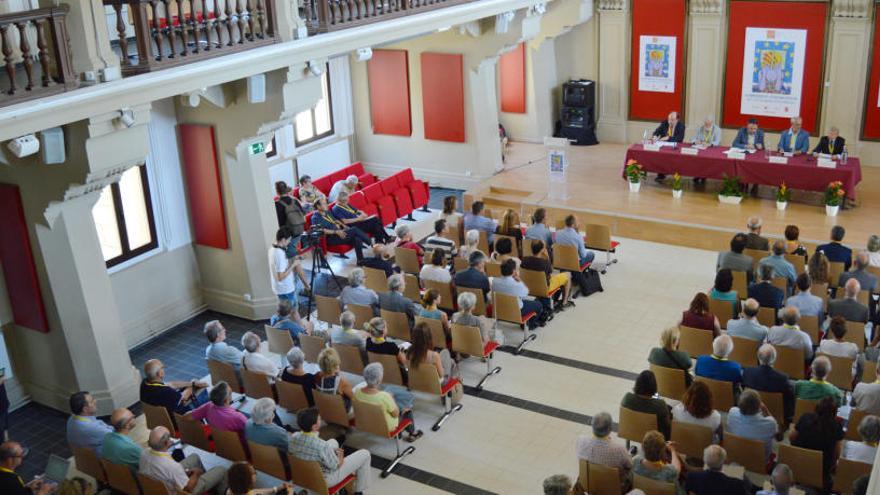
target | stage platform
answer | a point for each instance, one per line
(596, 193)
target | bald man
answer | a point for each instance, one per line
(671, 130)
(175, 396)
(11, 456)
(831, 143)
(188, 475)
(118, 447)
(794, 139)
(849, 307)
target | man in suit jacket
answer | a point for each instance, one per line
(766, 379)
(749, 137)
(834, 250)
(735, 259)
(794, 139)
(849, 307)
(754, 240)
(767, 295)
(671, 130)
(831, 144)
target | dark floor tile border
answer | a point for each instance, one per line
(572, 363)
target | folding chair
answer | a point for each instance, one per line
(746, 452)
(797, 261)
(411, 287)
(740, 284)
(864, 296)
(376, 280)
(447, 294)
(308, 475)
(810, 324)
(391, 366)
(598, 238)
(513, 242)
(150, 485)
(267, 459)
(424, 378)
(120, 478)
(460, 264)
(256, 385)
(362, 314)
(670, 382)
(467, 340)
(803, 406)
(192, 432)
(776, 405)
(780, 283)
(438, 334)
(350, 359)
(806, 464)
(480, 306)
(537, 283)
(158, 416)
(291, 396)
(227, 444)
(483, 243)
(756, 255)
(407, 259)
(847, 472)
(397, 325)
(835, 268)
(723, 310)
(653, 487)
(598, 479)
(869, 374)
(691, 439)
(745, 351)
(855, 333)
(632, 425)
(280, 340)
(328, 309)
(88, 463)
(820, 290)
(224, 372)
(767, 316)
(370, 418)
(695, 341)
(506, 308)
(852, 424)
(841, 372)
(790, 361)
(722, 392)
(566, 258)
(331, 407)
(312, 345)
(493, 269)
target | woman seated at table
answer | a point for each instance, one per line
(698, 315)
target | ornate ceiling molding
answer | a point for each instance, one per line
(612, 5)
(707, 6)
(851, 8)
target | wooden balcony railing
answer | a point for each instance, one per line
(41, 70)
(168, 33)
(332, 15)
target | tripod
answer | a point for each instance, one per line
(319, 260)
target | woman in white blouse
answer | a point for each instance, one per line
(696, 408)
(874, 250)
(436, 270)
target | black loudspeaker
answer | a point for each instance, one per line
(580, 135)
(580, 93)
(577, 119)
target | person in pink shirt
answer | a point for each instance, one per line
(219, 413)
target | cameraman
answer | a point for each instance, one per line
(351, 216)
(282, 268)
(337, 232)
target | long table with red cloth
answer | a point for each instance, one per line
(801, 172)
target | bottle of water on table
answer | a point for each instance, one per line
(843, 156)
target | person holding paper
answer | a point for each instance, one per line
(794, 139)
(670, 130)
(830, 144)
(749, 137)
(708, 134)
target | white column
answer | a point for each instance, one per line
(706, 42)
(613, 85)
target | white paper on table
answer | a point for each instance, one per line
(651, 147)
(826, 163)
(690, 151)
(779, 159)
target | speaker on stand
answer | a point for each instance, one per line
(577, 119)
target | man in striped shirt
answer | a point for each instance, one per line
(439, 239)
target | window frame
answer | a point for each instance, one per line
(127, 253)
(328, 133)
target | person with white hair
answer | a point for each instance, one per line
(710, 480)
(716, 366)
(849, 306)
(357, 293)
(707, 134)
(831, 143)
(348, 184)
(346, 334)
(873, 249)
(353, 217)
(253, 360)
(781, 479)
(287, 318)
(817, 387)
(747, 325)
(465, 316)
(382, 259)
(751, 419)
(558, 484)
(866, 396)
(866, 450)
(370, 393)
(295, 373)
(188, 475)
(789, 334)
(766, 379)
(394, 300)
(867, 280)
(218, 349)
(405, 240)
(754, 240)
(600, 448)
(781, 266)
(259, 428)
(794, 139)
(174, 396)
(471, 240)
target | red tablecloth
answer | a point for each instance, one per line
(801, 172)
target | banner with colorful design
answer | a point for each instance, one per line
(657, 63)
(773, 71)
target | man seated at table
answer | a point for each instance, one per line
(794, 139)
(708, 134)
(670, 130)
(749, 137)
(830, 144)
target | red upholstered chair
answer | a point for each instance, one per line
(323, 184)
(366, 180)
(372, 193)
(385, 208)
(359, 201)
(389, 185)
(403, 203)
(296, 191)
(356, 168)
(418, 190)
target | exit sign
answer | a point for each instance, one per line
(257, 148)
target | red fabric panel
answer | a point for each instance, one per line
(18, 263)
(786, 15)
(388, 74)
(203, 185)
(871, 129)
(513, 80)
(443, 96)
(659, 18)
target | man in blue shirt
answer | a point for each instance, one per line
(337, 233)
(834, 250)
(118, 447)
(539, 230)
(716, 366)
(351, 216)
(83, 428)
(569, 236)
(749, 137)
(475, 276)
(217, 349)
(259, 429)
(509, 283)
(806, 302)
(747, 326)
(284, 319)
(781, 266)
(794, 139)
(475, 220)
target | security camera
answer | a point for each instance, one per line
(24, 145)
(364, 54)
(126, 117)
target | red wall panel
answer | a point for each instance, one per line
(658, 18)
(203, 185)
(811, 16)
(513, 80)
(443, 96)
(871, 129)
(18, 263)
(388, 74)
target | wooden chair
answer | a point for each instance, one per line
(513, 242)
(537, 283)
(328, 309)
(722, 392)
(483, 243)
(468, 340)
(869, 373)
(460, 264)
(806, 464)
(370, 418)
(192, 432)
(863, 297)
(331, 407)
(852, 425)
(757, 255)
(438, 334)
(847, 472)
(397, 325)
(775, 403)
(291, 396)
(767, 316)
(227, 444)
(855, 333)
(362, 314)
(803, 406)
(267, 459)
(158, 416)
(746, 452)
(670, 382)
(810, 324)
(407, 259)
(424, 378)
(800, 265)
(723, 310)
(566, 258)
(120, 478)
(256, 385)
(224, 372)
(632, 425)
(835, 268)
(745, 351)
(411, 287)
(695, 341)
(390, 366)
(653, 487)
(375, 279)
(350, 359)
(447, 294)
(89, 464)
(312, 345)
(780, 283)
(598, 238)
(280, 340)
(454, 234)
(691, 439)
(493, 269)
(506, 308)
(308, 475)
(740, 284)
(820, 290)
(790, 361)
(150, 485)
(598, 479)
(480, 306)
(841, 371)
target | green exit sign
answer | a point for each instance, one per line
(258, 148)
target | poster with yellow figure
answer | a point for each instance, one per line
(657, 63)
(773, 72)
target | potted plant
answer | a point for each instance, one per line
(676, 185)
(834, 197)
(634, 175)
(783, 194)
(731, 192)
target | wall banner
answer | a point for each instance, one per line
(773, 71)
(657, 63)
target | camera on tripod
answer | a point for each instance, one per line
(311, 237)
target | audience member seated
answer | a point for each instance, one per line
(475, 276)
(509, 283)
(866, 396)
(821, 431)
(84, 430)
(747, 326)
(405, 240)
(754, 240)
(176, 396)
(792, 242)
(539, 261)
(118, 447)
(337, 233)
(836, 346)
(698, 315)
(242, 480)
(346, 334)
(539, 231)
(734, 259)
(308, 193)
(835, 251)
(188, 475)
(329, 380)
(466, 303)
(817, 388)
(569, 236)
(751, 419)
(789, 334)
(349, 185)
(253, 360)
(377, 344)
(510, 225)
(642, 399)
(218, 349)
(422, 352)
(259, 428)
(350, 216)
(659, 460)
(818, 267)
(370, 393)
(219, 413)
(873, 249)
(450, 210)
(11, 456)
(436, 270)
(866, 450)
(781, 479)
(710, 480)
(503, 252)
(766, 379)
(867, 280)
(763, 291)
(356, 293)
(722, 290)
(668, 355)
(430, 301)
(288, 319)
(471, 242)
(601, 449)
(696, 408)
(558, 484)
(382, 259)
(475, 219)
(394, 300)
(781, 266)
(717, 366)
(805, 301)
(439, 241)
(295, 373)
(336, 466)
(849, 307)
